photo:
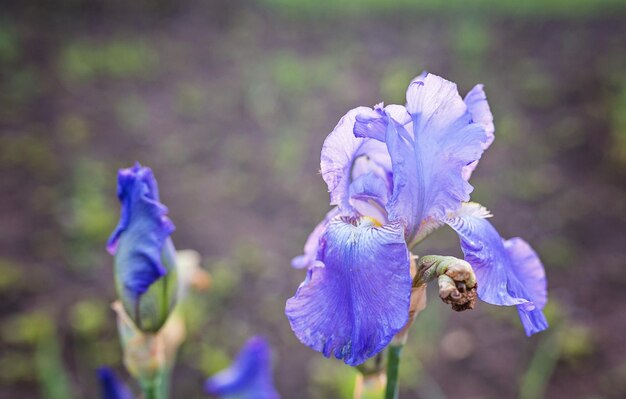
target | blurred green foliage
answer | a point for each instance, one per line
(90, 218)
(85, 59)
(9, 47)
(89, 317)
(11, 275)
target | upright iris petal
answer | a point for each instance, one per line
(429, 154)
(249, 377)
(144, 252)
(340, 163)
(111, 387)
(477, 105)
(353, 306)
(508, 272)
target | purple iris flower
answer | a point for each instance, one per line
(145, 268)
(395, 174)
(111, 387)
(249, 377)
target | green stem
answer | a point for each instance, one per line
(153, 389)
(149, 391)
(393, 366)
(165, 384)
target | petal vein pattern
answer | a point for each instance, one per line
(340, 151)
(508, 272)
(429, 158)
(352, 307)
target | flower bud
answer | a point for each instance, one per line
(145, 258)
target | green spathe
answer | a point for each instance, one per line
(150, 310)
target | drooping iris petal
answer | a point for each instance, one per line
(532, 275)
(111, 387)
(309, 258)
(477, 105)
(508, 272)
(340, 151)
(249, 376)
(353, 306)
(138, 240)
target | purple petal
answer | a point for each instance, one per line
(446, 140)
(353, 306)
(408, 195)
(111, 387)
(508, 272)
(477, 105)
(140, 236)
(369, 194)
(529, 270)
(309, 258)
(429, 158)
(341, 150)
(249, 377)
(370, 123)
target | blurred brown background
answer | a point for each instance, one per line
(229, 102)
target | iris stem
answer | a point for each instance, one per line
(153, 389)
(149, 391)
(164, 387)
(393, 366)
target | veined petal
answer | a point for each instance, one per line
(429, 153)
(508, 272)
(249, 377)
(446, 140)
(478, 107)
(407, 195)
(369, 194)
(529, 269)
(353, 306)
(309, 258)
(139, 238)
(111, 387)
(340, 151)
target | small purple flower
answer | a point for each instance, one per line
(395, 174)
(111, 387)
(249, 377)
(145, 265)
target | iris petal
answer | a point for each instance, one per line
(353, 306)
(111, 387)
(340, 151)
(143, 229)
(309, 258)
(508, 272)
(446, 140)
(478, 107)
(369, 194)
(429, 158)
(249, 377)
